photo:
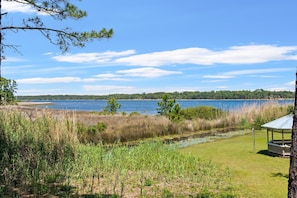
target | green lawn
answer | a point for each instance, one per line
(253, 174)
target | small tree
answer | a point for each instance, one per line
(7, 90)
(112, 106)
(165, 105)
(175, 114)
(169, 108)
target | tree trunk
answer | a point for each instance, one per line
(292, 183)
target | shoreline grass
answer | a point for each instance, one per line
(107, 129)
(45, 153)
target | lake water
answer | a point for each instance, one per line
(149, 106)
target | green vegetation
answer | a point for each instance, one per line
(7, 91)
(169, 108)
(254, 175)
(165, 105)
(65, 154)
(203, 112)
(243, 94)
(112, 106)
(44, 157)
(59, 11)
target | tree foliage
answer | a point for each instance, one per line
(245, 94)
(58, 10)
(175, 114)
(112, 106)
(7, 90)
(165, 105)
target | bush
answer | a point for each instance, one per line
(112, 106)
(134, 113)
(91, 134)
(203, 112)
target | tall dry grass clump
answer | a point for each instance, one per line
(256, 115)
(246, 117)
(33, 151)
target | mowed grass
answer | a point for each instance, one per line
(253, 174)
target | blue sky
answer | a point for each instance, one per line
(168, 45)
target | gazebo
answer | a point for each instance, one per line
(279, 144)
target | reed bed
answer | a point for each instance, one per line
(42, 157)
(95, 128)
(48, 153)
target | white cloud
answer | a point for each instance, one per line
(213, 81)
(9, 59)
(109, 76)
(104, 57)
(263, 76)
(218, 76)
(49, 80)
(233, 74)
(32, 92)
(258, 71)
(291, 83)
(108, 89)
(148, 72)
(65, 80)
(249, 54)
(47, 53)
(12, 6)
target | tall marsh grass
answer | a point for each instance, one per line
(47, 153)
(33, 151)
(42, 157)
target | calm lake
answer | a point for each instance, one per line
(149, 106)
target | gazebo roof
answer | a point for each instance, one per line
(283, 123)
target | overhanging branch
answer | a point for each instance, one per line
(35, 28)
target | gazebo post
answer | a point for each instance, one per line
(283, 137)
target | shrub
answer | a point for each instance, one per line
(112, 106)
(165, 105)
(134, 113)
(203, 112)
(91, 134)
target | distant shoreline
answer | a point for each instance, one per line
(34, 103)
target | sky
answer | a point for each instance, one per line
(159, 46)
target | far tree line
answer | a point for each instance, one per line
(224, 94)
(8, 88)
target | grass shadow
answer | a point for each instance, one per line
(264, 152)
(280, 175)
(45, 190)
